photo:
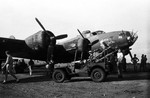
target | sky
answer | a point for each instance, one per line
(17, 18)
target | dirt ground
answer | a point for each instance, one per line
(133, 85)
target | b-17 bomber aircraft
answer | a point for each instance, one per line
(42, 45)
(92, 49)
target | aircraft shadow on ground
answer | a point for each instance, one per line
(32, 79)
(127, 77)
(35, 79)
(37, 76)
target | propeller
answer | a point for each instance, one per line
(133, 37)
(61, 36)
(94, 42)
(130, 55)
(40, 24)
(53, 38)
(84, 45)
(80, 33)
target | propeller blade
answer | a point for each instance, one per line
(130, 54)
(49, 33)
(80, 33)
(94, 42)
(133, 37)
(61, 36)
(134, 34)
(50, 51)
(40, 24)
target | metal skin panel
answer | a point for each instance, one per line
(38, 41)
(35, 46)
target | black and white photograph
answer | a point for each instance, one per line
(74, 49)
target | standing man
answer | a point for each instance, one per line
(142, 63)
(124, 64)
(135, 60)
(9, 67)
(31, 63)
(119, 63)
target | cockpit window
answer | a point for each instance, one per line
(94, 33)
(97, 32)
(86, 33)
(128, 33)
(122, 34)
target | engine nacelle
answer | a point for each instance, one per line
(83, 45)
(38, 41)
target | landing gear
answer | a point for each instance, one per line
(98, 75)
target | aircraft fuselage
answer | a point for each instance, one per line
(35, 46)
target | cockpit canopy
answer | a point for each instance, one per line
(97, 32)
(88, 33)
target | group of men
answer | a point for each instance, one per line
(142, 64)
(8, 67)
(121, 63)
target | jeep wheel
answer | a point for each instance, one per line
(98, 75)
(59, 75)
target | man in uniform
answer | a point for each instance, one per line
(9, 67)
(142, 63)
(124, 64)
(119, 63)
(135, 60)
(30, 65)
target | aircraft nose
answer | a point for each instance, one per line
(131, 37)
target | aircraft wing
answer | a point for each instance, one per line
(17, 48)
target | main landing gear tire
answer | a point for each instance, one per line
(98, 75)
(59, 75)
